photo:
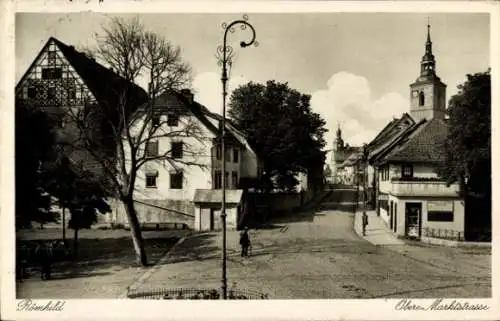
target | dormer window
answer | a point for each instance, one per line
(421, 99)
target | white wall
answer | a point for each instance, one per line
(197, 151)
(458, 214)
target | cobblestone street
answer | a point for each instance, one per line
(317, 254)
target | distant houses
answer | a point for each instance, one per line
(342, 162)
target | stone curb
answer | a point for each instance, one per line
(155, 267)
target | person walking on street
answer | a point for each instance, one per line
(244, 242)
(365, 223)
(45, 254)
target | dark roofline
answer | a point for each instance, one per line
(72, 56)
(379, 158)
(32, 64)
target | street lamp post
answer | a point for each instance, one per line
(226, 52)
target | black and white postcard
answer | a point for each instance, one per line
(249, 160)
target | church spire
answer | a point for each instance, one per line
(428, 63)
(339, 142)
(428, 32)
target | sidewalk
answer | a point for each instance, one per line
(376, 231)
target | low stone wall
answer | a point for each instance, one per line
(155, 211)
(451, 243)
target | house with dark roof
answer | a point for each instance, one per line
(410, 196)
(187, 190)
(63, 81)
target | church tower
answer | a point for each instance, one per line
(427, 93)
(338, 144)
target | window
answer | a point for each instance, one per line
(234, 179)
(51, 73)
(176, 180)
(151, 180)
(235, 155)
(151, 149)
(32, 92)
(51, 57)
(218, 153)
(407, 171)
(177, 149)
(226, 179)
(71, 93)
(155, 121)
(440, 216)
(421, 99)
(51, 93)
(172, 120)
(384, 173)
(217, 180)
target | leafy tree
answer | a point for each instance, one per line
(468, 148)
(287, 135)
(468, 145)
(78, 190)
(34, 141)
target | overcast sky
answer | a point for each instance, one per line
(356, 66)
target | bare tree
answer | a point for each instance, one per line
(119, 144)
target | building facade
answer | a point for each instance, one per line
(406, 156)
(186, 188)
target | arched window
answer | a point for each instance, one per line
(421, 99)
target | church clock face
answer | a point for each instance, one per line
(415, 93)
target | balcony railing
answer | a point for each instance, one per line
(422, 187)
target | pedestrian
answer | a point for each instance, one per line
(22, 257)
(45, 255)
(244, 242)
(365, 223)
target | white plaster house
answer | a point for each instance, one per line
(411, 198)
(187, 190)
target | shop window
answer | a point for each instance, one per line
(440, 216)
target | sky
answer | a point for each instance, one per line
(357, 67)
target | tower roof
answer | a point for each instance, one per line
(428, 62)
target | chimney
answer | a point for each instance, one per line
(188, 94)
